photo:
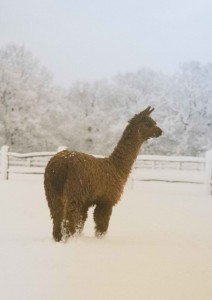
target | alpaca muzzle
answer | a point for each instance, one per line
(158, 132)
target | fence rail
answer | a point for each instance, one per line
(24, 163)
(170, 162)
(146, 167)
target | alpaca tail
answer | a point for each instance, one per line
(55, 174)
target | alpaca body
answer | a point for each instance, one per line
(97, 179)
(75, 181)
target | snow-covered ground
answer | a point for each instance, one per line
(158, 247)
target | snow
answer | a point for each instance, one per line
(159, 246)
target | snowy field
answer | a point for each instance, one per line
(159, 247)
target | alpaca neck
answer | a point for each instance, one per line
(126, 151)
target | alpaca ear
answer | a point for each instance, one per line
(148, 111)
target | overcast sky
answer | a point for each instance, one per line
(95, 39)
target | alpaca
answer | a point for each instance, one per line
(75, 181)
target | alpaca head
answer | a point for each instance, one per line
(145, 126)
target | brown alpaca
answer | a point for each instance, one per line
(75, 181)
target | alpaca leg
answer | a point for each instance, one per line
(84, 215)
(57, 230)
(72, 218)
(102, 215)
(56, 210)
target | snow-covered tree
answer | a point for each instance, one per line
(37, 115)
(27, 100)
(192, 102)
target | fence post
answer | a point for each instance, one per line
(61, 148)
(208, 171)
(4, 162)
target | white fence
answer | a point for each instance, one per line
(26, 163)
(147, 167)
